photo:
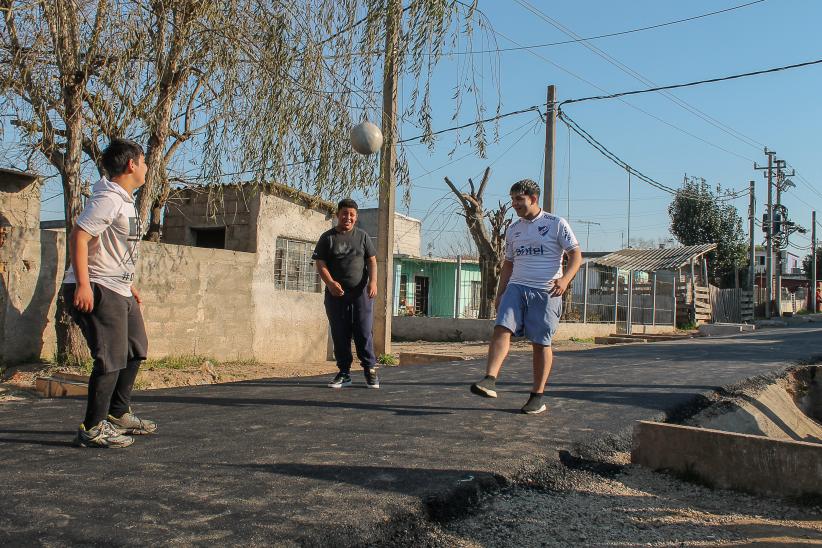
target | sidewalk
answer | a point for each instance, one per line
(291, 462)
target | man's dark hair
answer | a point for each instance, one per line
(118, 153)
(525, 186)
(347, 202)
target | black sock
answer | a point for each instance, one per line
(536, 395)
(492, 377)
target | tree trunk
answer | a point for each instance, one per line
(71, 346)
(489, 272)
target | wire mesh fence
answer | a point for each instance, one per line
(598, 294)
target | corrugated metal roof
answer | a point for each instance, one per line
(651, 260)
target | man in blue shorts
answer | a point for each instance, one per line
(531, 284)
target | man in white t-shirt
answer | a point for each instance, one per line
(103, 301)
(531, 284)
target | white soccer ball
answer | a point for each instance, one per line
(366, 138)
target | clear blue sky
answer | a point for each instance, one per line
(781, 111)
(650, 132)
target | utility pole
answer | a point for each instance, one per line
(780, 236)
(751, 232)
(384, 309)
(814, 273)
(588, 229)
(550, 132)
(629, 207)
(767, 226)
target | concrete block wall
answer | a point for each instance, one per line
(292, 324)
(30, 260)
(232, 207)
(19, 199)
(407, 231)
(197, 301)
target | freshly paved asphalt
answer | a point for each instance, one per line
(291, 462)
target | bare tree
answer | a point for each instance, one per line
(51, 50)
(490, 243)
(258, 90)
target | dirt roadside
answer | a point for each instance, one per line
(17, 382)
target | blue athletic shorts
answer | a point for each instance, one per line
(529, 312)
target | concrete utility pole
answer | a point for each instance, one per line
(751, 232)
(384, 305)
(550, 132)
(768, 228)
(814, 273)
(629, 207)
(588, 229)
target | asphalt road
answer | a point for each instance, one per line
(291, 462)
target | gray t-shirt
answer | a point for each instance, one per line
(110, 217)
(345, 255)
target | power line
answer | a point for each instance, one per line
(602, 149)
(689, 84)
(597, 37)
(635, 74)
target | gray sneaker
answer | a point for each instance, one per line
(129, 423)
(486, 387)
(104, 435)
(534, 405)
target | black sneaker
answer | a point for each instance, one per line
(534, 405)
(341, 380)
(486, 387)
(372, 380)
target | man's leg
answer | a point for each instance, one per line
(364, 338)
(338, 310)
(540, 326)
(119, 412)
(498, 350)
(543, 358)
(363, 322)
(101, 329)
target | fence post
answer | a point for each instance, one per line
(458, 287)
(629, 314)
(585, 293)
(673, 294)
(653, 301)
(616, 299)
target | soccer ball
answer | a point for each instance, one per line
(366, 138)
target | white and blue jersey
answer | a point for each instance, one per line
(536, 247)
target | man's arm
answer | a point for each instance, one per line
(334, 287)
(574, 262)
(78, 250)
(504, 276)
(372, 277)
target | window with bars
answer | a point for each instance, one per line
(294, 269)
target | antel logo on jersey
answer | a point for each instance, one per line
(527, 250)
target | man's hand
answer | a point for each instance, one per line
(336, 289)
(497, 300)
(372, 289)
(83, 298)
(559, 287)
(136, 295)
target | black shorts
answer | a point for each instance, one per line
(114, 329)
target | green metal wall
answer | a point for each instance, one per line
(441, 279)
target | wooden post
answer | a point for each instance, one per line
(383, 309)
(653, 301)
(585, 293)
(550, 132)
